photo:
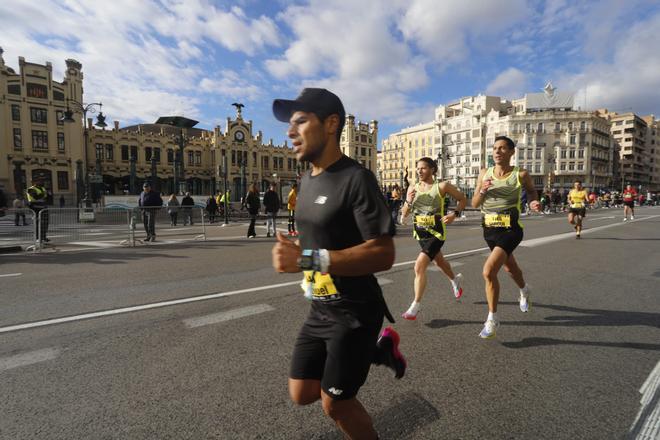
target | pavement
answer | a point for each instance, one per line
(192, 339)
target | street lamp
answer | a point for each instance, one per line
(180, 122)
(81, 107)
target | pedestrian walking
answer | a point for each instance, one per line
(271, 206)
(150, 202)
(173, 209)
(19, 209)
(187, 204)
(346, 234)
(252, 203)
(211, 208)
(291, 206)
(37, 197)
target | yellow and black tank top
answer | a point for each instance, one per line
(428, 209)
(502, 203)
(576, 198)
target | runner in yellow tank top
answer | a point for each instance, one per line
(498, 194)
(577, 202)
(426, 201)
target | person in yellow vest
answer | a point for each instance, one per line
(577, 202)
(498, 194)
(36, 197)
(291, 206)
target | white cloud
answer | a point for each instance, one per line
(630, 80)
(230, 84)
(510, 84)
(140, 58)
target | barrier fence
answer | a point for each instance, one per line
(111, 226)
(17, 227)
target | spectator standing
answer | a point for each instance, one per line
(252, 203)
(187, 204)
(271, 206)
(19, 208)
(291, 206)
(211, 208)
(37, 198)
(173, 209)
(395, 204)
(150, 202)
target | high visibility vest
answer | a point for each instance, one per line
(36, 195)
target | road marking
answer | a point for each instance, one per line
(29, 358)
(227, 315)
(98, 244)
(11, 275)
(528, 243)
(383, 281)
(453, 265)
(122, 310)
(647, 422)
(543, 240)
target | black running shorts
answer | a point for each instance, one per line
(506, 238)
(582, 212)
(630, 204)
(431, 246)
(338, 356)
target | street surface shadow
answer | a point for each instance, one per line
(399, 421)
(540, 342)
(587, 317)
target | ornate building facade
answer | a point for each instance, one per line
(76, 159)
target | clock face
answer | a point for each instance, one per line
(239, 136)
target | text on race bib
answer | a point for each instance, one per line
(497, 220)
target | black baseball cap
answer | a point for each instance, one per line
(321, 102)
(146, 185)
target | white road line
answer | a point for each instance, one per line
(98, 244)
(383, 281)
(122, 310)
(528, 243)
(11, 275)
(647, 423)
(227, 315)
(29, 358)
(453, 265)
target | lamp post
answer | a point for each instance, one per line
(133, 177)
(154, 173)
(243, 164)
(181, 123)
(224, 172)
(84, 108)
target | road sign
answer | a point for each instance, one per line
(95, 178)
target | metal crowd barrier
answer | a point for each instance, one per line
(17, 227)
(111, 226)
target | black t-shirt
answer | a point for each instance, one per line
(338, 209)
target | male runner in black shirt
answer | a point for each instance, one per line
(345, 237)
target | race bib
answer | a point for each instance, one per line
(319, 286)
(425, 221)
(577, 205)
(497, 220)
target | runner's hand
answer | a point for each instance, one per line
(285, 255)
(535, 206)
(411, 196)
(449, 218)
(486, 184)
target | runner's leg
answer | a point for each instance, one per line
(512, 268)
(350, 416)
(421, 264)
(304, 391)
(492, 266)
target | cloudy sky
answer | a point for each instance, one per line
(390, 60)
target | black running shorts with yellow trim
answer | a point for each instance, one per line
(506, 238)
(431, 246)
(582, 212)
(335, 354)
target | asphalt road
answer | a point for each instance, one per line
(192, 340)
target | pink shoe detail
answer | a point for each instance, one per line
(409, 316)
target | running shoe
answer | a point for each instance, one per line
(456, 285)
(490, 329)
(524, 301)
(625, 219)
(389, 355)
(632, 217)
(409, 315)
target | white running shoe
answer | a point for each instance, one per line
(489, 330)
(524, 302)
(625, 219)
(456, 285)
(632, 217)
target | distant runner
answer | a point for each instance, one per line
(577, 202)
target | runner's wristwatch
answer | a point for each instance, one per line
(317, 260)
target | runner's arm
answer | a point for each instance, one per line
(372, 256)
(532, 197)
(410, 196)
(461, 200)
(478, 198)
